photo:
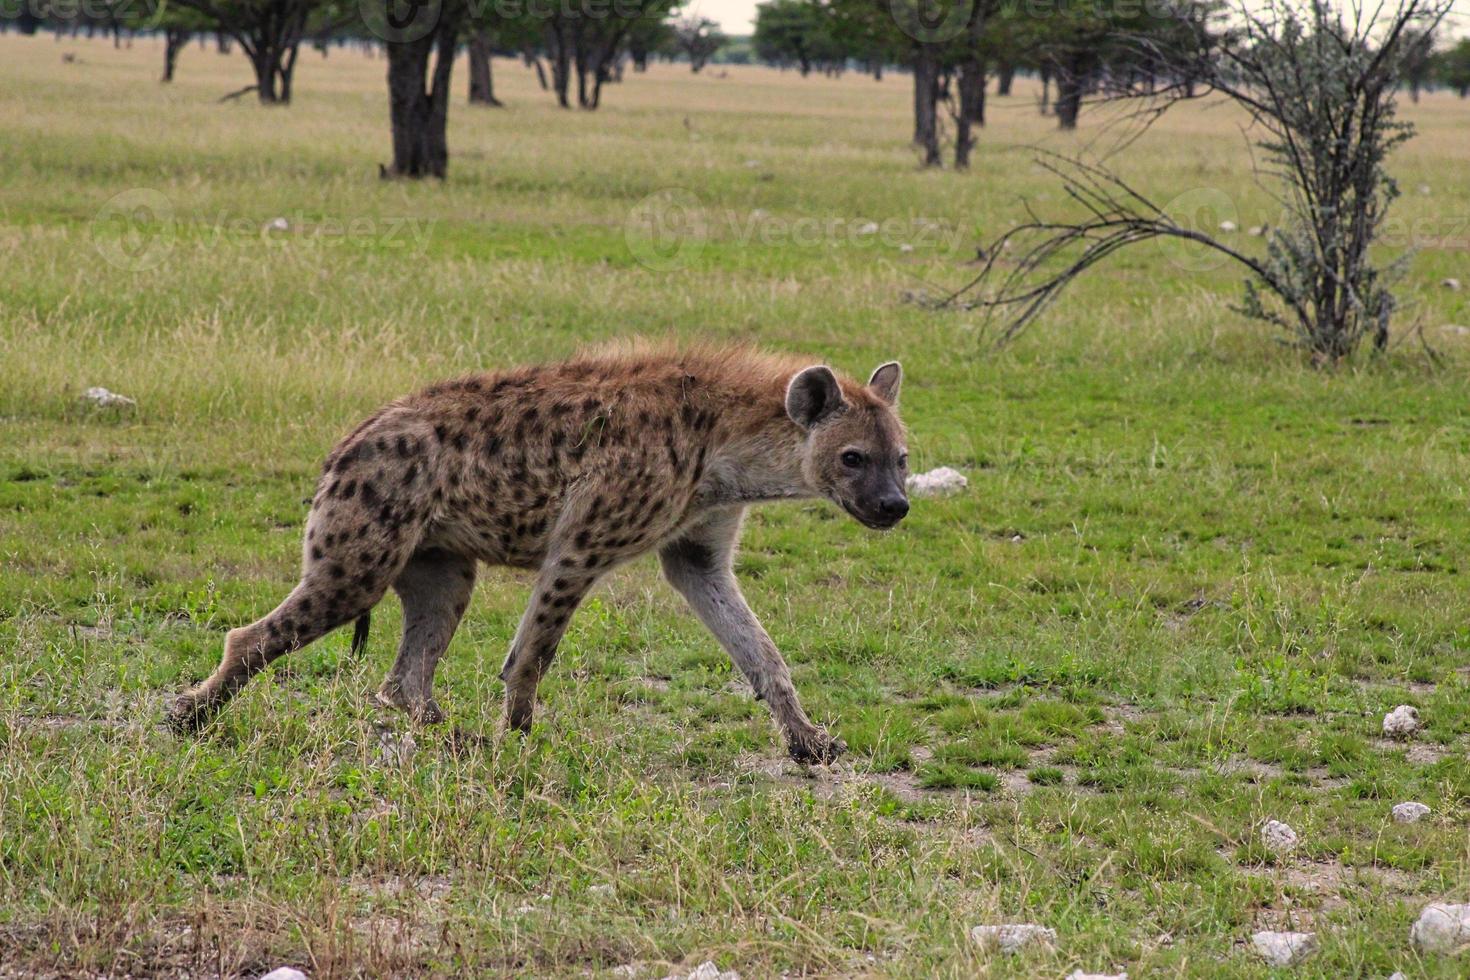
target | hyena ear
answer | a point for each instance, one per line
(812, 395)
(885, 381)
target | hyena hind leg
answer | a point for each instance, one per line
(302, 617)
(435, 588)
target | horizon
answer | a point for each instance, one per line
(737, 17)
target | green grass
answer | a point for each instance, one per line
(1189, 576)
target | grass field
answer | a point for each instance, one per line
(1189, 576)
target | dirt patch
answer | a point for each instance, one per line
(1116, 717)
(1309, 889)
(1177, 618)
(1015, 783)
(1322, 779)
(430, 888)
(828, 782)
(1417, 753)
(61, 723)
(1257, 771)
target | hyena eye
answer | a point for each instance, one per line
(903, 461)
(852, 458)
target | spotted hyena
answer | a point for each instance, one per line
(572, 469)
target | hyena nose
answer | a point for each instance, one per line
(893, 508)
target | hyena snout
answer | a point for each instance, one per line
(893, 508)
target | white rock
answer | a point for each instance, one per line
(905, 248)
(1453, 285)
(627, 970)
(103, 398)
(759, 214)
(705, 971)
(1401, 722)
(1424, 189)
(937, 483)
(1285, 948)
(278, 224)
(752, 162)
(601, 891)
(1013, 937)
(1228, 226)
(1409, 812)
(1278, 837)
(1442, 929)
(1455, 329)
(1258, 230)
(1397, 975)
(1079, 975)
(871, 228)
(284, 973)
(395, 749)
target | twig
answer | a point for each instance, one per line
(236, 95)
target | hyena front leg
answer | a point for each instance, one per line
(698, 564)
(560, 587)
(435, 588)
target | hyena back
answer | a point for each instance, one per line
(572, 469)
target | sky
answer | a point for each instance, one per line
(734, 16)
(738, 16)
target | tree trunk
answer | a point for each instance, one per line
(419, 102)
(1045, 88)
(221, 42)
(559, 50)
(583, 67)
(971, 111)
(1005, 74)
(533, 60)
(174, 40)
(264, 64)
(926, 99)
(285, 72)
(482, 83)
(1071, 82)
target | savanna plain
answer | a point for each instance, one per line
(1189, 575)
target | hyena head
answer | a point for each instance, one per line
(855, 453)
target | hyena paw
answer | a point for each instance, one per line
(424, 711)
(188, 714)
(816, 748)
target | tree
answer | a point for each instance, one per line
(421, 52)
(1452, 67)
(481, 48)
(649, 36)
(177, 23)
(1418, 60)
(270, 33)
(791, 32)
(699, 38)
(1322, 94)
(589, 41)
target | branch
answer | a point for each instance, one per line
(1117, 215)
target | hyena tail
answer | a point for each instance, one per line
(360, 633)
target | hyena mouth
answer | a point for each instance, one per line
(867, 521)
